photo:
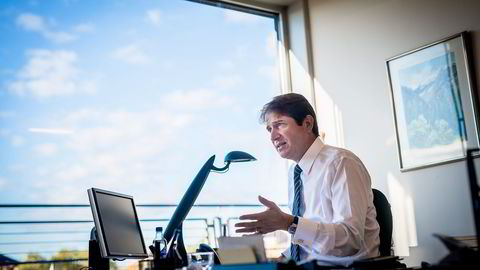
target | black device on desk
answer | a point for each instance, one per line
(117, 233)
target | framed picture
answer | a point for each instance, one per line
(434, 104)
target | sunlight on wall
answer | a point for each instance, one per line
(404, 229)
(329, 117)
(412, 231)
(301, 80)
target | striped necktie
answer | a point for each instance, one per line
(297, 202)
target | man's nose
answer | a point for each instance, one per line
(273, 134)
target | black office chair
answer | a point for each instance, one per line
(386, 260)
(385, 220)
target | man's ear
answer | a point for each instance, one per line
(308, 122)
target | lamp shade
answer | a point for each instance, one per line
(238, 156)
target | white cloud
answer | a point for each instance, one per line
(131, 54)
(16, 167)
(240, 17)
(72, 173)
(36, 23)
(31, 22)
(127, 151)
(54, 131)
(241, 51)
(148, 129)
(84, 28)
(46, 149)
(59, 37)
(6, 114)
(4, 132)
(50, 73)
(17, 140)
(117, 149)
(154, 16)
(199, 99)
(3, 182)
(226, 65)
(227, 81)
(271, 72)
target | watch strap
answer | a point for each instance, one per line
(293, 227)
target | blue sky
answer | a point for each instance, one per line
(133, 96)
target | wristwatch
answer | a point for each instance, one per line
(293, 227)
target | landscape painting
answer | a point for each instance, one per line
(433, 104)
(433, 111)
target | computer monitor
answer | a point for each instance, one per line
(118, 230)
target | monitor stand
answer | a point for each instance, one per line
(95, 259)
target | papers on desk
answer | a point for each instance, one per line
(236, 255)
(245, 249)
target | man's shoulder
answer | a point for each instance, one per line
(336, 151)
(336, 154)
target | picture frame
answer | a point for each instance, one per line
(434, 103)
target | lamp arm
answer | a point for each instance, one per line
(223, 169)
(188, 199)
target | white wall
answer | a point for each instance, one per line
(300, 67)
(351, 39)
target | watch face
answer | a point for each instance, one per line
(292, 228)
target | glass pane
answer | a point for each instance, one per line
(133, 97)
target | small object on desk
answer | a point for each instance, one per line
(159, 244)
(237, 255)
(200, 260)
(460, 256)
(469, 241)
(254, 242)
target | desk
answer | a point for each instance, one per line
(387, 263)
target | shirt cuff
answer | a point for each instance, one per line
(310, 232)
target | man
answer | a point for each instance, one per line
(333, 217)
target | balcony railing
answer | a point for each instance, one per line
(28, 237)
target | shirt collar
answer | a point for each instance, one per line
(308, 158)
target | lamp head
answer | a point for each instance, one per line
(238, 156)
(234, 156)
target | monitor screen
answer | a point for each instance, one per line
(118, 229)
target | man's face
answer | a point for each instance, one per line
(290, 139)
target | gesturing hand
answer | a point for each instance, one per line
(267, 221)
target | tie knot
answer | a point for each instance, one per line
(297, 170)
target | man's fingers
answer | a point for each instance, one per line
(250, 216)
(249, 234)
(247, 224)
(246, 230)
(266, 202)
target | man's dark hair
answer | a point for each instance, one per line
(293, 105)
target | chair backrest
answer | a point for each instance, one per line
(385, 220)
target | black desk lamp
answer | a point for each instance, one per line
(191, 195)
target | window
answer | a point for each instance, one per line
(133, 97)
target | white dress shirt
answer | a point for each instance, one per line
(339, 219)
